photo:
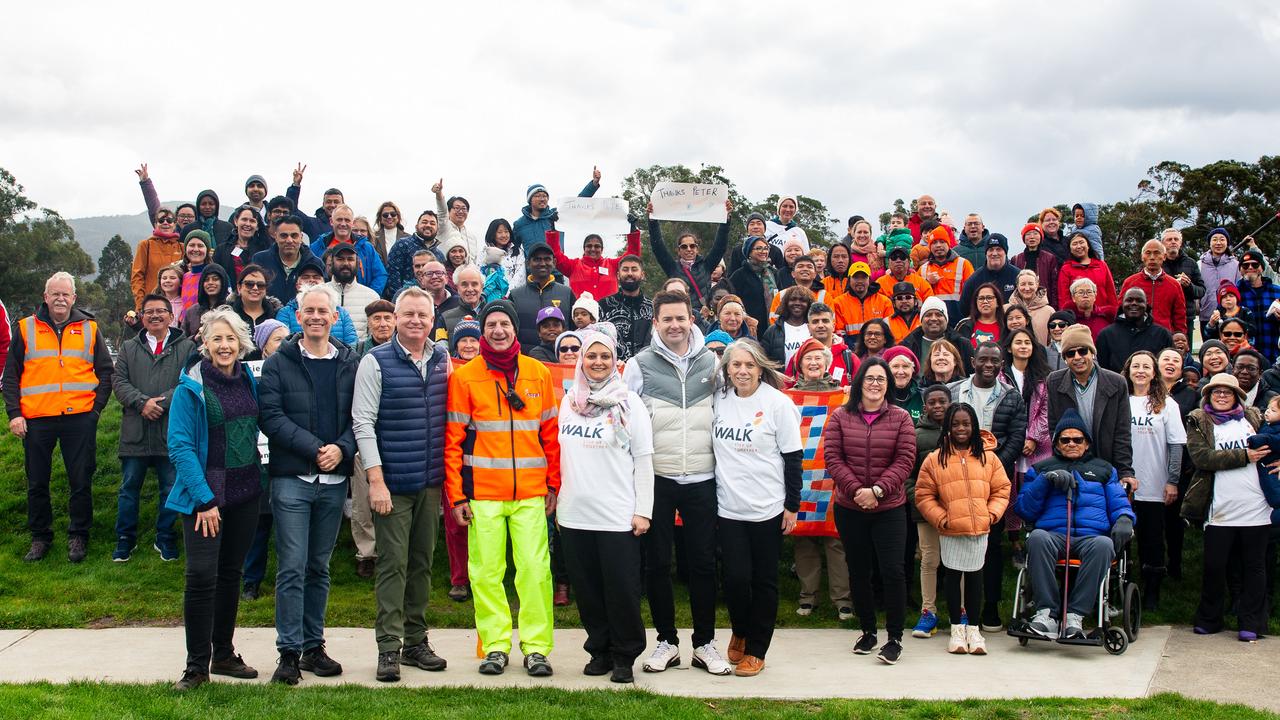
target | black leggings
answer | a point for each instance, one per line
(750, 551)
(881, 535)
(972, 603)
(1151, 533)
(212, 595)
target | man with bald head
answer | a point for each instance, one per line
(926, 210)
(972, 243)
(1165, 298)
(370, 271)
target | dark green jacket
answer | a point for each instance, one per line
(141, 375)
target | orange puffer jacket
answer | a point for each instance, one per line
(966, 497)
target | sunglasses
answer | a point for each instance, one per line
(1070, 440)
(1076, 352)
(688, 246)
(1231, 334)
(164, 219)
(390, 215)
(253, 285)
(1058, 325)
(570, 348)
(1249, 265)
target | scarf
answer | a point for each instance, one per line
(766, 277)
(504, 360)
(1218, 418)
(233, 470)
(592, 398)
(164, 235)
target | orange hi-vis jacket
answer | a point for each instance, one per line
(947, 278)
(852, 311)
(900, 328)
(924, 291)
(516, 454)
(57, 375)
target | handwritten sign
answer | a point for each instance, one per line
(689, 202)
(778, 235)
(583, 216)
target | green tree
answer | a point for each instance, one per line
(115, 265)
(34, 246)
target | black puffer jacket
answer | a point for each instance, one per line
(1193, 292)
(287, 398)
(774, 341)
(703, 265)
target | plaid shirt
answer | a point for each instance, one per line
(1266, 331)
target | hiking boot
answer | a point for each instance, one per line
(423, 657)
(737, 649)
(1043, 624)
(926, 626)
(317, 661)
(597, 666)
(622, 674)
(191, 679)
(494, 663)
(708, 658)
(750, 666)
(890, 652)
(287, 671)
(123, 551)
(388, 666)
(364, 567)
(249, 592)
(561, 598)
(233, 667)
(865, 644)
(536, 665)
(39, 548)
(168, 550)
(664, 656)
(77, 549)
(459, 593)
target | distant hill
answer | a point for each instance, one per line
(93, 233)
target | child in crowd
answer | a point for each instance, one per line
(936, 399)
(495, 282)
(1269, 435)
(1229, 307)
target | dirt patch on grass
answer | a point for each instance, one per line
(111, 621)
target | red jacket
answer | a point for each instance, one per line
(1097, 271)
(597, 276)
(1100, 317)
(1164, 295)
(860, 455)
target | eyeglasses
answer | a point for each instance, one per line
(1057, 325)
(570, 348)
(1071, 440)
(875, 380)
(986, 298)
(390, 215)
(1223, 392)
(155, 313)
(1076, 352)
(1236, 334)
(435, 273)
(253, 285)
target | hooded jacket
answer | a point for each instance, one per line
(1213, 271)
(677, 391)
(698, 275)
(966, 496)
(289, 411)
(530, 231)
(282, 285)
(1168, 305)
(1006, 279)
(1040, 311)
(975, 254)
(191, 321)
(220, 231)
(1124, 337)
(928, 434)
(370, 271)
(1091, 229)
(141, 375)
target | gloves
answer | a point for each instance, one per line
(1122, 532)
(1063, 480)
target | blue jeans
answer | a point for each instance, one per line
(307, 516)
(133, 471)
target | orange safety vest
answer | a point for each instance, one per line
(852, 312)
(57, 374)
(952, 276)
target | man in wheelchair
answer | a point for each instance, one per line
(1099, 519)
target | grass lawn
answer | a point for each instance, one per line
(220, 700)
(100, 593)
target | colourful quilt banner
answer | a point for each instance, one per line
(817, 489)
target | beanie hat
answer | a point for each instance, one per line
(1071, 420)
(1219, 231)
(934, 303)
(749, 243)
(1228, 288)
(503, 306)
(1213, 344)
(263, 331)
(900, 351)
(756, 216)
(792, 198)
(587, 302)
(534, 188)
(998, 240)
(1031, 226)
(1078, 336)
(1065, 315)
(722, 337)
(197, 234)
(256, 179)
(940, 233)
(806, 347)
(467, 327)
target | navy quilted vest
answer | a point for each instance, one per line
(411, 419)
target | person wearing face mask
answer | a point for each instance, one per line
(593, 272)
(161, 249)
(629, 310)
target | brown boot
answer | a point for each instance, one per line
(737, 649)
(749, 667)
(364, 567)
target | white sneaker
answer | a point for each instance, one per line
(958, 645)
(708, 658)
(805, 609)
(664, 656)
(977, 643)
(1044, 624)
(1074, 626)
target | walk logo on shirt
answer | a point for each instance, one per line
(592, 436)
(741, 437)
(1240, 444)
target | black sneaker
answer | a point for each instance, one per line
(599, 665)
(39, 548)
(168, 550)
(622, 674)
(389, 666)
(423, 657)
(250, 592)
(494, 663)
(123, 551)
(191, 679)
(536, 665)
(317, 661)
(890, 652)
(991, 622)
(865, 644)
(287, 669)
(233, 667)
(77, 549)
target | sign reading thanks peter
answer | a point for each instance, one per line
(689, 202)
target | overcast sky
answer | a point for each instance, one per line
(1000, 107)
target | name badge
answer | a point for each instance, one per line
(603, 270)
(237, 251)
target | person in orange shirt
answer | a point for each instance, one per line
(906, 311)
(900, 271)
(862, 302)
(946, 272)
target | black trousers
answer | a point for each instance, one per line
(1174, 525)
(972, 600)
(78, 436)
(604, 570)
(1151, 533)
(750, 552)
(212, 596)
(696, 503)
(1219, 544)
(992, 572)
(881, 535)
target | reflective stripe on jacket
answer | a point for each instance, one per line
(57, 373)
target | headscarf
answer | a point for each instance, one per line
(592, 398)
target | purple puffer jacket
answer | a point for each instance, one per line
(860, 455)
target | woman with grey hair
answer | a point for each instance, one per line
(213, 444)
(757, 445)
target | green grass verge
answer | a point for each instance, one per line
(222, 700)
(100, 593)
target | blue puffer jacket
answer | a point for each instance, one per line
(189, 439)
(1100, 498)
(343, 331)
(411, 418)
(1091, 229)
(370, 271)
(529, 230)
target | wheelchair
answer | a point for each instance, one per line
(1118, 613)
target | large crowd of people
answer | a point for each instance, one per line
(286, 368)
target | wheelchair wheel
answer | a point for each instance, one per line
(1132, 619)
(1115, 641)
(1023, 642)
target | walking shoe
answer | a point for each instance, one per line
(77, 548)
(844, 613)
(1202, 631)
(991, 618)
(708, 658)
(890, 652)
(561, 598)
(1074, 626)
(977, 643)
(1248, 636)
(536, 665)
(249, 592)
(664, 656)
(388, 666)
(1043, 624)
(622, 674)
(597, 666)
(423, 657)
(316, 660)
(39, 548)
(805, 609)
(191, 679)
(926, 626)
(958, 645)
(494, 663)
(168, 550)
(123, 551)
(364, 567)
(287, 671)
(750, 666)
(459, 593)
(233, 667)
(866, 643)
(737, 649)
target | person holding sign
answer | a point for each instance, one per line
(537, 217)
(592, 272)
(689, 263)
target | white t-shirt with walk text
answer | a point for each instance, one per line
(1152, 433)
(598, 490)
(749, 436)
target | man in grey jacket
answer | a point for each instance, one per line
(147, 371)
(1101, 397)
